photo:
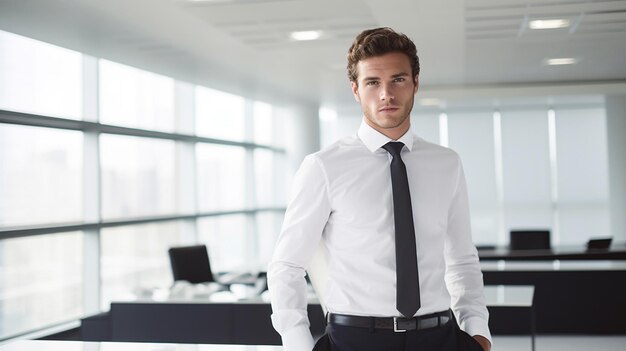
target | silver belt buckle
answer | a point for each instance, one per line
(395, 326)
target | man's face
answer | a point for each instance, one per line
(386, 91)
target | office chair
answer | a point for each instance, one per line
(530, 240)
(599, 244)
(191, 263)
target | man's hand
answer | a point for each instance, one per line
(483, 341)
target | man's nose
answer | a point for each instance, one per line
(386, 93)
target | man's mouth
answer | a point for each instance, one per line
(388, 109)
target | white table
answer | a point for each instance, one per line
(50, 345)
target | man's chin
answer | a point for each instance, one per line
(390, 123)
(385, 122)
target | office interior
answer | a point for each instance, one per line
(128, 128)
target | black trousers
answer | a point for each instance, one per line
(448, 337)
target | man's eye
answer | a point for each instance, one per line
(399, 80)
(371, 83)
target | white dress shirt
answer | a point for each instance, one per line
(342, 195)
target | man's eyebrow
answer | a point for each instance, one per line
(397, 75)
(370, 78)
(401, 74)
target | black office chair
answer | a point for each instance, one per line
(599, 244)
(191, 263)
(530, 240)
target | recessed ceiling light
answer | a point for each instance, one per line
(560, 61)
(306, 35)
(549, 24)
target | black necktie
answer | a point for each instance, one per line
(407, 284)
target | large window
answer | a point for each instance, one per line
(526, 170)
(134, 98)
(40, 281)
(582, 179)
(268, 228)
(221, 177)
(36, 77)
(471, 134)
(40, 175)
(263, 124)
(219, 115)
(269, 178)
(137, 176)
(269, 125)
(88, 212)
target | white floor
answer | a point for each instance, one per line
(561, 343)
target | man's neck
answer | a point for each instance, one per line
(391, 133)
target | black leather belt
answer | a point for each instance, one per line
(397, 324)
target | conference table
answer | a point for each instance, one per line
(49, 345)
(571, 296)
(561, 252)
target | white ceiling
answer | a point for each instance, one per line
(243, 46)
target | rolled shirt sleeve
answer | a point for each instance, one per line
(307, 213)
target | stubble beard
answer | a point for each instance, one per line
(387, 122)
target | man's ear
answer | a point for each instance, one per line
(417, 83)
(355, 91)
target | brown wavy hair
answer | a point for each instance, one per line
(377, 42)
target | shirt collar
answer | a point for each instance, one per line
(374, 139)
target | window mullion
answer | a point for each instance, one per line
(91, 189)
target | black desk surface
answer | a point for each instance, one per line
(615, 252)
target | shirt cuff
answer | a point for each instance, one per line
(298, 339)
(477, 326)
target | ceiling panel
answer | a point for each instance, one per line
(243, 46)
(485, 19)
(268, 24)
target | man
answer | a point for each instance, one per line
(393, 213)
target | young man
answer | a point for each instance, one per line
(393, 213)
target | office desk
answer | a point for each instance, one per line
(47, 345)
(571, 297)
(248, 322)
(201, 320)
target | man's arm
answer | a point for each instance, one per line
(464, 278)
(305, 218)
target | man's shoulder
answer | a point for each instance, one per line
(423, 144)
(340, 148)
(426, 148)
